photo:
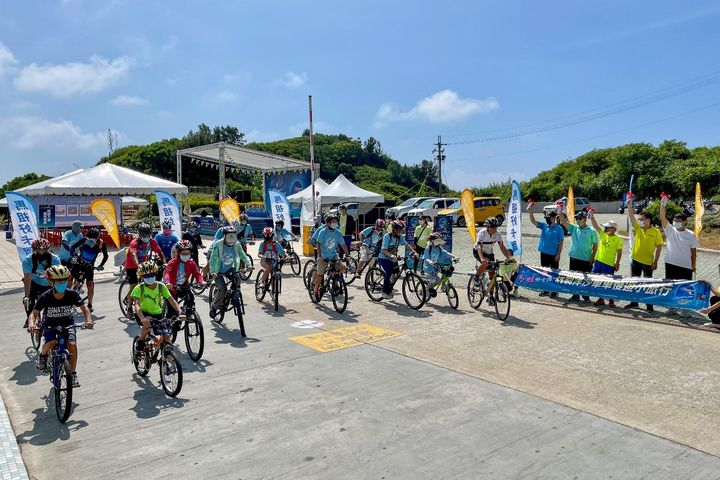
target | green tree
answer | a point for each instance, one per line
(22, 181)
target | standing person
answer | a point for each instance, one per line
(346, 225)
(370, 240)
(682, 244)
(137, 253)
(388, 257)
(422, 231)
(167, 239)
(70, 238)
(90, 247)
(609, 252)
(34, 281)
(646, 248)
(551, 243)
(193, 236)
(584, 245)
(390, 217)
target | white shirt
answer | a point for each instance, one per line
(679, 244)
(486, 241)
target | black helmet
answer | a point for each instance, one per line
(93, 233)
(280, 222)
(330, 216)
(581, 215)
(144, 229)
(491, 222)
(228, 229)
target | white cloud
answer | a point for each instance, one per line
(127, 101)
(7, 59)
(226, 96)
(30, 132)
(292, 79)
(441, 107)
(73, 78)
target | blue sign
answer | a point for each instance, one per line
(46, 216)
(410, 224)
(286, 183)
(443, 225)
(687, 294)
(207, 225)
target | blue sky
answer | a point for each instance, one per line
(401, 71)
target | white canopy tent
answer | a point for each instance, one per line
(134, 201)
(306, 194)
(343, 190)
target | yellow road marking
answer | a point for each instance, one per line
(345, 337)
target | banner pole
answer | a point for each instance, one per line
(312, 156)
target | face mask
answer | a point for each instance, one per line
(167, 231)
(149, 280)
(185, 258)
(334, 225)
(231, 239)
(243, 222)
(548, 220)
(678, 225)
(60, 287)
(145, 239)
(192, 230)
(91, 243)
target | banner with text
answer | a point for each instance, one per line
(24, 222)
(231, 211)
(513, 233)
(169, 209)
(280, 207)
(411, 223)
(687, 294)
(104, 211)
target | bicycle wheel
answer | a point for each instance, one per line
(338, 292)
(309, 265)
(196, 288)
(123, 292)
(475, 292)
(36, 338)
(310, 280)
(211, 292)
(171, 374)
(349, 275)
(502, 300)
(374, 283)
(414, 291)
(245, 274)
(194, 337)
(63, 390)
(259, 287)
(141, 362)
(277, 281)
(452, 297)
(238, 308)
(295, 263)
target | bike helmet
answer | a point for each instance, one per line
(183, 245)
(144, 229)
(243, 216)
(379, 223)
(268, 233)
(167, 223)
(330, 216)
(57, 273)
(581, 215)
(192, 225)
(147, 268)
(93, 233)
(397, 224)
(491, 222)
(40, 244)
(435, 239)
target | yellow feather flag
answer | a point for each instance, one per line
(699, 209)
(467, 202)
(571, 205)
(104, 211)
(230, 210)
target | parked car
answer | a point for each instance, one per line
(432, 206)
(485, 207)
(580, 203)
(401, 210)
(352, 209)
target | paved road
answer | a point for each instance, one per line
(550, 393)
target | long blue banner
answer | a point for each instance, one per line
(687, 294)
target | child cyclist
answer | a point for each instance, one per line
(435, 257)
(181, 269)
(269, 251)
(149, 298)
(282, 235)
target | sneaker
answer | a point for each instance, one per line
(711, 324)
(544, 294)
(75, 381)
(90, 307)
(433, 293)
(599, 302)
(575, 298)
(611, 303)
(387, 296)
(650, 308)
(25, 325)
(553, 295)
(213, 313)
(632, 305)
(42, 362)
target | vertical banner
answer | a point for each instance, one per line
(231, 211)
(513, 233)
(570, 205)
(104, 211)
(411, 223)
(443, 226)
(169, 209)
(630, 203)
(699, 209)
(280, 207)
(24, 222)
(467, 202)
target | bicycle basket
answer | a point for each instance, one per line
(507, 270)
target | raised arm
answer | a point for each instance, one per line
(663, 215)
(532, 216)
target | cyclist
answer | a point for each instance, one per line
(435, 253)
(329, 239)
(137, 253)
(483, 249)
(89, 249)
(388, 256)
(389, 218)
(57, 306)
(34, 281)
(227, 256)
(193, 236)
(149, 299)
(282, 234)
(245, 232)
(370, 241)
(316, 226)
(167, 239)
(270, 250)
(182, 268)
(70, 238)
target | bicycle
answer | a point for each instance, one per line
(332, 282)
(497, 292)
(245, 273)
(233, 298)
(124, 290)
(35, 335)
(418, 288)
(192, 325)
(292, 258)
(160, 350)
(274, 283)
(78, 273)
(376, 276)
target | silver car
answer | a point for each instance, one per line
(401, 210)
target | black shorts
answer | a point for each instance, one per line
(673, 272)
(490, 257)
(35, 291)
(638, 269)
(547, 260)
(132, 275)
(577, 265)
(88, 270)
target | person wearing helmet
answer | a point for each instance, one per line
(227, 257)
(584, 245)
(316, 226)
(167, 239)
(483, 252)
(329, 239)
(149, 298)
(389, 218)
(192, 234)
(388, 256)
(138, 250)
(434, 258)
(182, 268)
(282, 235)
(70, 238)
(34, 281)
(88, 249)
(270, 251)
(370, 240)
(422, 230)
(56, 307)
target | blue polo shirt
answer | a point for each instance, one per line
(329, 241)
(391, 243)
(550, 238)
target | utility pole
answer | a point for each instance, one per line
(439, 152)
(111, 142)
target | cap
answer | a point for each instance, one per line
(610, 224)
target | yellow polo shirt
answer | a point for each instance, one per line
(646, 241)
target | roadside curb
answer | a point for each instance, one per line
(12, 466)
